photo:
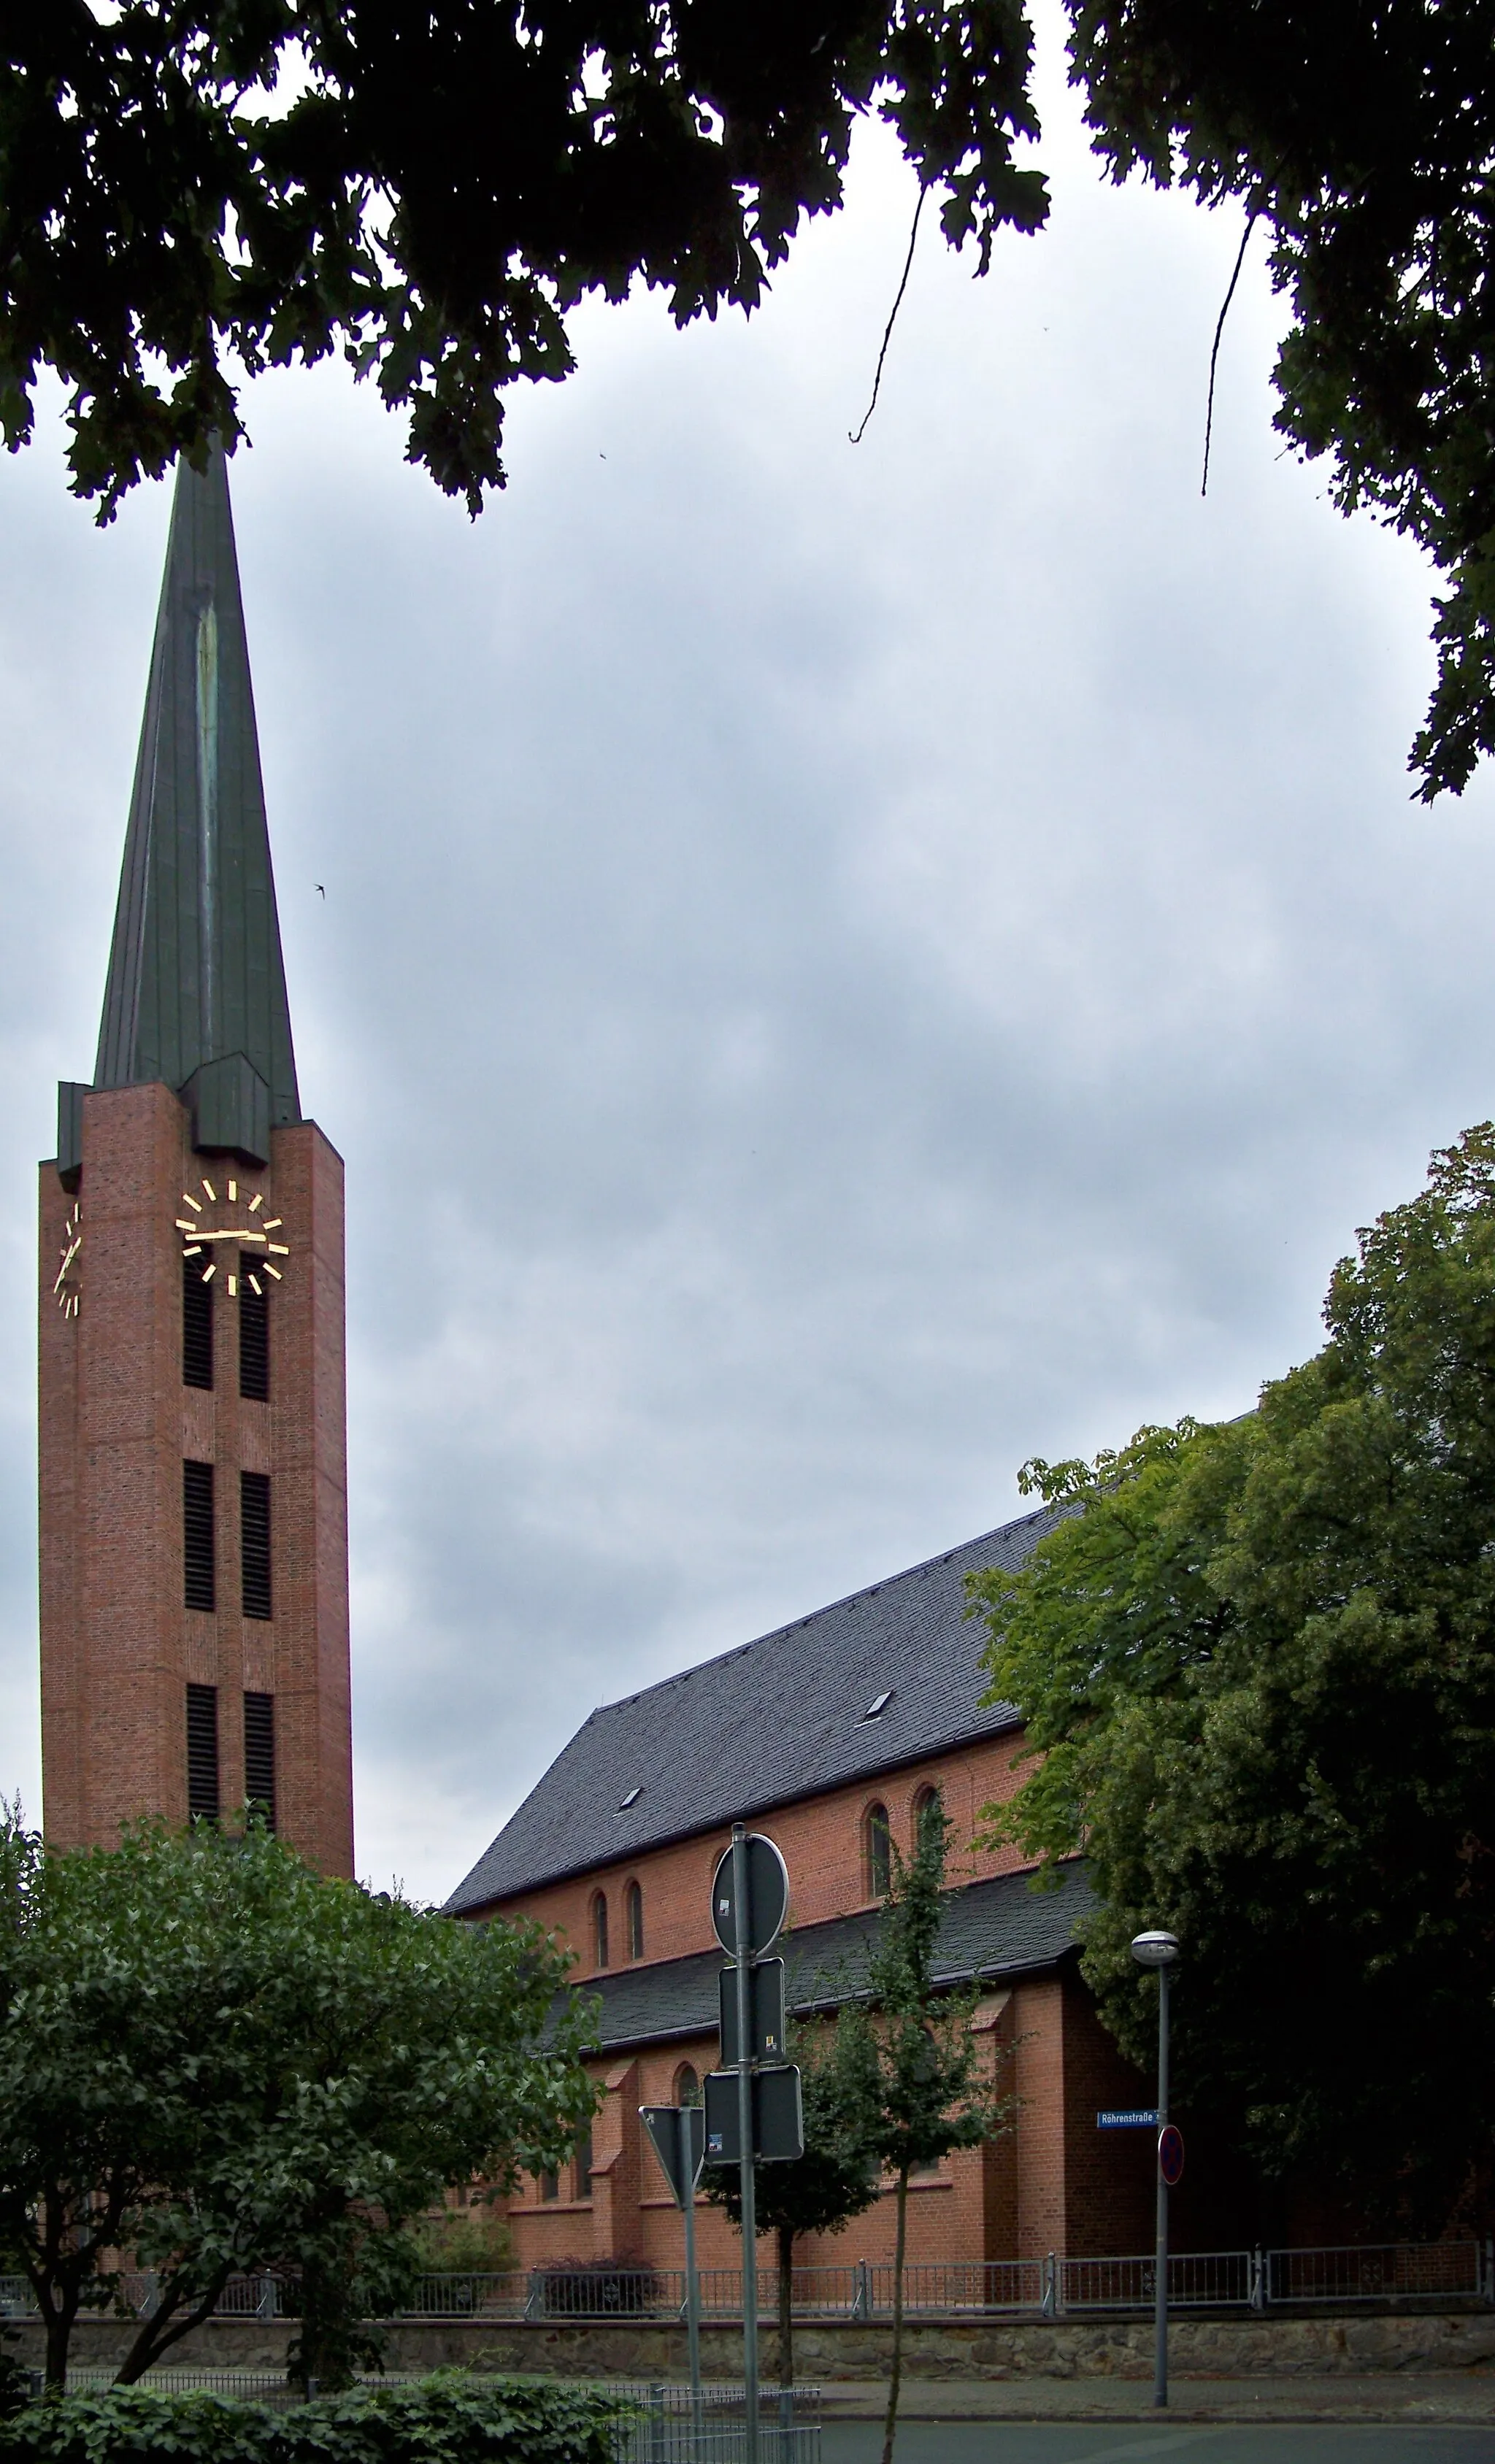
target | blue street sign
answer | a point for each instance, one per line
(1138, 2116)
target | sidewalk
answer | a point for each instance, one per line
(1426, 2396)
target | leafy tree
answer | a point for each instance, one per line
(827, 2187)
(432, 188)
(1361, 137)
(916, 2069)
(219, 2062)
(1258, 1663)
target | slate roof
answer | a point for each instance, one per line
(992, 1930)
(775, 1720)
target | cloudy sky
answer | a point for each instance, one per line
(841, 968)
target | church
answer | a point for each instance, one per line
(192, 1435)
(831, 1735)
(194, 1573)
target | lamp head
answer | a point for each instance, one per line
(1154, 1950)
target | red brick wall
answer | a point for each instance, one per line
(118, 1648)
(823, 1839)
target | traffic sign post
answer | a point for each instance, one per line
(744, 1947)
(752, 2112)
(678, 2132)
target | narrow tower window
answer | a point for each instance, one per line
(254, 1533)
(687, 2085)
(197, 1327)
(599, 1929)
(201, 1753)
(253, 1340)
(879, 1852)
(200, 1588)
(259, 1755)
(633, 1913)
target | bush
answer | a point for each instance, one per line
(449, 2419)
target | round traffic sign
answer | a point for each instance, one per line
(1169, 2153)
(768, 1897)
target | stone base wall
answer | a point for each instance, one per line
(826, 2350)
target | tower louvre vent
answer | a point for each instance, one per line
(253, 1342)
(197, 1327)
(259, 1755)
(201, 1753)
(255, 1534)
(199, 1587)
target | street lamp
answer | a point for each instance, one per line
(1160, 1951)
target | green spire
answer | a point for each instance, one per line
(196, 988)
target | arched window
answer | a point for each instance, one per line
(633, 1917)
(599, 1929)
(687, 2088)
(584, 2164)
(927, 1804)
(878, 1840)
(550, 2186)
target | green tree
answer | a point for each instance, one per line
(827, 2185)
(1257, 1665)
(431, 189)
(916, 2071)
(218, 2062)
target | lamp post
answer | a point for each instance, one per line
(1160, 1951)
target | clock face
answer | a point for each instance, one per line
(64, 1290)
(227, 1227)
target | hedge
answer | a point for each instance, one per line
(448, 2419)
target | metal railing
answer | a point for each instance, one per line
(1382, 2272)
(665, 2429)
(1052, 2287)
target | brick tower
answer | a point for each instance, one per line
(194, 1583)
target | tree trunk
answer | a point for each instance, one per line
(59, 2314)
(891, 2424)
(786, 2305)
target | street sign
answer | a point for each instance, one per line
(765, 1988)
(777, 2117)
(768, 1898)
(678, 2132)
(1169, 2153)
(1135, 2116)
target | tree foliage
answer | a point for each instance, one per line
(431, 189)
(219, 2062)
(832, 2182)
(1363, 137)
(1258, 1661)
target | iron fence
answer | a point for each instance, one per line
(666, 2426)
(1052, 2287)
(1382, 2272)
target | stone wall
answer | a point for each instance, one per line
(1348, 2345)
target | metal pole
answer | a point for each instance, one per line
(692, 2288)
(1160, 2297)
(745, 1953)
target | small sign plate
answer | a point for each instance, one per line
(778, 2116)
(1134, 2117)
(1169, 2153)
(678, 2132)
(765, 1992)
(768, 1898)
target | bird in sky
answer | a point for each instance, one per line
(321, 892)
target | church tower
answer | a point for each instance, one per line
(194, 1441)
